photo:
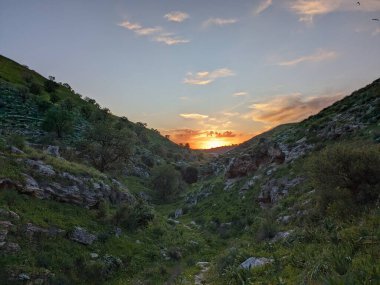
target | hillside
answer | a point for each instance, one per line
(296, 205)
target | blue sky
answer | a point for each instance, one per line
(208, 72)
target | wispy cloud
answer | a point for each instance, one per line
(219, 22)
(308, 9)
(176, 16)
(263, 6)
(170, 39)
(238, 94)
(289, 108)
(157, 34)
(207, 77)
(194, 116)
(320, 55)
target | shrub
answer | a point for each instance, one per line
(344, 175)
(34, 88)
(267, 229)
(166, 182)
(190, 174)
(50, 86)
(133, 216)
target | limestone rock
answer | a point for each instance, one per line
(82, 236)
(253, 262)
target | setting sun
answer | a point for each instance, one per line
(214, 142)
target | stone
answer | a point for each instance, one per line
(23, 277)
(9, 214)
(16, 150)
(41, 167)
(82, 236)
(178, 213)
(31, 230)
(281, 236)
(94, 255)
(53, 150)
(253, 262)
(199, 278)
(118, 232)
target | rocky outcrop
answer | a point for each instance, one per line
(5, 246)
(253, 262)
(82, 236)
(32, 230)
(69, 188)
(264, 153)
(199, 278)
(274, 189)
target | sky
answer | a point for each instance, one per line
(205, 72)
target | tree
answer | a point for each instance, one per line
(190, 174)
(59, 121)
(50, 85)
(345, 176)
(166, 181)
(106, 146)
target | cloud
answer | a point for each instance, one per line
(237, 94)
(263, 6)
(170, 40)
(176, 16)
(194, 116)
(147, 31)
(320, 55)
(289, 108)
(308, 9)
(219, 22)
(157, 34)
(207, 77)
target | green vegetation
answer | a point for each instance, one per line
(319, 223)
(166, 181)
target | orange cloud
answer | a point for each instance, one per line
(207, 77)
(320, 55)
(289, 108)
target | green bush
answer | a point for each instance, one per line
(133, 216)
(59, 121)
(166, 182)
(345, 176)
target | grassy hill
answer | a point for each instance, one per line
(296, 205)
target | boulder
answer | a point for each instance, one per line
(53, 150)
(178, 213)
(82, 236)
(253, 262)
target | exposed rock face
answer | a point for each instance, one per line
(31, 230)
(205, 191)
(253, 262)
(296, 150)
(274, 189)
(41, 167)
(264, 154)
(69, 188)
(82, 236)
(5, 246)
(178, 213)
(8, 214)
(200, 278)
